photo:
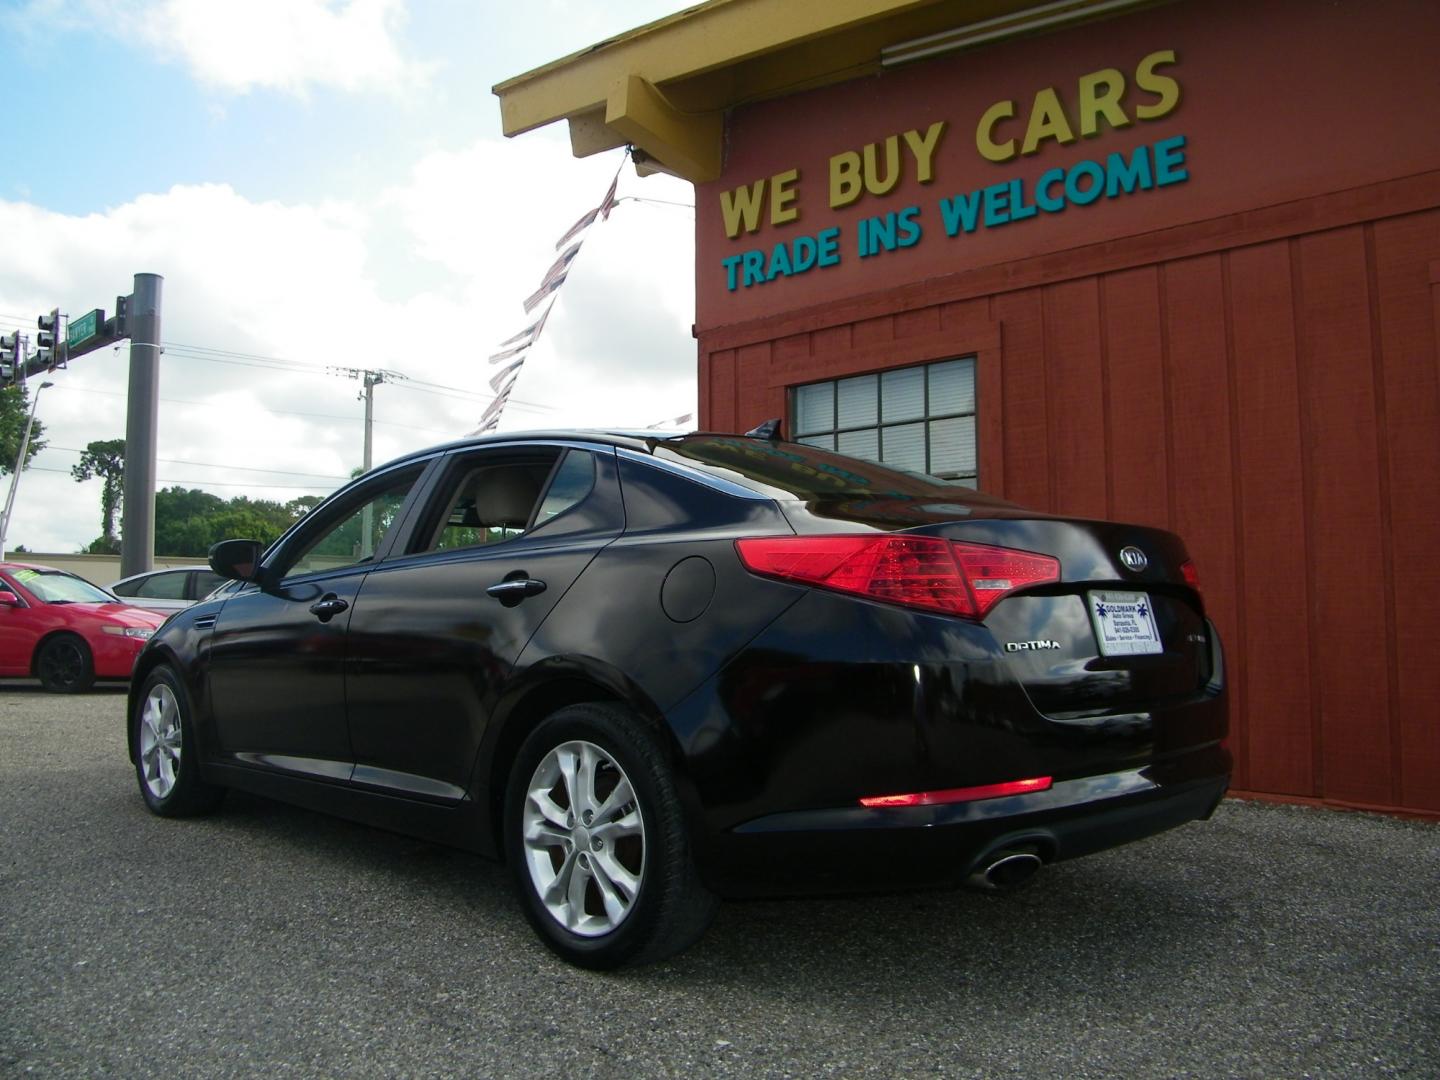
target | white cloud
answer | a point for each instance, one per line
(287, 45)
(242, 45)
(426, 280)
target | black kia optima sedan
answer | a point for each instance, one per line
(650, 671)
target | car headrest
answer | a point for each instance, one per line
(506, 495)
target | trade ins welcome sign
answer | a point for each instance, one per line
(1100, 100)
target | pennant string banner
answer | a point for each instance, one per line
(580, 226)
(495, 358)
(560, 265)
(546, 288)
(500, 375)
(513, 349)
(527, 334)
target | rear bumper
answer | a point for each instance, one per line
(855, 849)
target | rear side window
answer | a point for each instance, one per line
(162, 587)
(573, 480)
(796, 471)
(493, 501)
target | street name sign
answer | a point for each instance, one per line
(83, 328)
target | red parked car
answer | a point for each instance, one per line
(66, 632)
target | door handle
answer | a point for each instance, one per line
(512, 590)
(327, 607)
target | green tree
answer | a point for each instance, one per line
(190, 521)
(105, 459)
(298, 508)
(14, 411)
(184, 520)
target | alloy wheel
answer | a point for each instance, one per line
(160, 740)
(584, 838)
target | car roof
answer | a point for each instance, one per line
(630, 439)
(162, 570)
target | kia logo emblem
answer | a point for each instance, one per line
(1133, 558)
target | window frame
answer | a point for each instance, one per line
(835, 430)
(445, 488)
(339, 507)
(159, 575)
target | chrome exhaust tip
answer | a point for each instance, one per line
(1004, 870)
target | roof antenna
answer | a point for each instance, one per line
(770, 429)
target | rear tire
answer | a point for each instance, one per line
(596, 841)
(167, 762)
(65, 665)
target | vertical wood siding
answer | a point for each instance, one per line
(1278, 405)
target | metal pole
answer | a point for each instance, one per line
(370, 381)
(137, 547)
(19, 464)
(367, 516)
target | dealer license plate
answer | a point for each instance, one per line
(1124, 623)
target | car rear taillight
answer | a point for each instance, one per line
(1190, 574)
(915, 571)
(962, 794)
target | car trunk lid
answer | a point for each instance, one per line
(1123, 629)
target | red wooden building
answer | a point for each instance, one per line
(1172, 263)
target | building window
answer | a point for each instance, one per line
(917, 418)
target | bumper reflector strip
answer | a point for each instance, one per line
(960, 794)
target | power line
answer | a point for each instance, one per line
(237, 358)
(438, 389)
(232, 356)
(273, 412)
(208, 483)
(215, 465)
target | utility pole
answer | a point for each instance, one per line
(137, 548)
(371, 378)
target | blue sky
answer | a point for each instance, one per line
(322, 183)
(105, 114)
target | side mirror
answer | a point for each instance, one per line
(238, 560)
(9, 599)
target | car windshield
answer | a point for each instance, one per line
(58, 587)
(796, 471)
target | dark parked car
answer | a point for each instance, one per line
(652, 671)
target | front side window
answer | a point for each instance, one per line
(921, 419)
(355, 529)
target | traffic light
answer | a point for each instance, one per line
(49, 337)
(116, 326)
(10, 358)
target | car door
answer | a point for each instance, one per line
(277, 653)
(437, 631)
(18, 631)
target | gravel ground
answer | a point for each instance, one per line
(1269, 942)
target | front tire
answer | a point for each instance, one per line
(64, 665)
(596, 841)
(167, 764)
